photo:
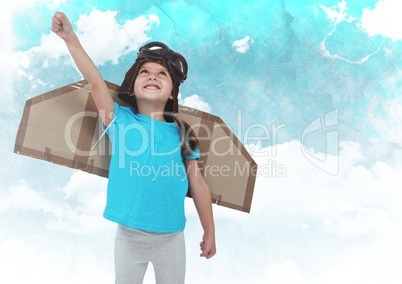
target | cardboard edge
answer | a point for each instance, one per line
(248, 198)
(252, 174)
(211, 120)
(22, 129)
(58, 92)
(62, 161)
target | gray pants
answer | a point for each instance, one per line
(134, 249)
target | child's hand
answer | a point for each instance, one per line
(208, 247)
(61, 26)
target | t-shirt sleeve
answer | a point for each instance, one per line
(195, 155)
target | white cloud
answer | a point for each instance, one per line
(56, 4)
(376, 263)
(21, 196)
(336, 13)
(53, 262)
(102, 37)
(105, 40)
(242, 45)
(7, 42)
(100, 34)
(85, 196)
(195, 101)
(15, 6)
(384, 19)
(287, 271)
(388, 124)
(83, 187)
(78, 211)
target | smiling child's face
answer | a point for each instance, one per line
(153, 84)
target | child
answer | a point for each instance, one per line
(153, 163)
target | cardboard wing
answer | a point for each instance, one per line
(226, 165)
(62, 127)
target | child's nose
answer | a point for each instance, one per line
(152, 76)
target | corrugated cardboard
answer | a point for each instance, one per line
(62, 126)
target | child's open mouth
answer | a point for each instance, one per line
(152, 87)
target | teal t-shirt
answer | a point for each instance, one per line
(147, 176)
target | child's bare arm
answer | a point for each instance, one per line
(202, 199)
(100, 93)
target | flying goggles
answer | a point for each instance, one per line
(176, 63)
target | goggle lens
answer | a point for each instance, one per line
(177, 64)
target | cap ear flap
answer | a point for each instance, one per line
(172, 105)
(126, 90)
(176, 98)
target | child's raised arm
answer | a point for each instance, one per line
(100, 93)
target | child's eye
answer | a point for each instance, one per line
(163, 73)
(143, 71)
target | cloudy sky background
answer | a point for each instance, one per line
(312, 87)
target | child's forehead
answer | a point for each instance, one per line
(153, 65)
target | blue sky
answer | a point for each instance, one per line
(312, 87)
